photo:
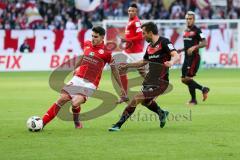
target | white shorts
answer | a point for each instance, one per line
(78, 86)
(123, 57)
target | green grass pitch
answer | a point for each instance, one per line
(209, 130)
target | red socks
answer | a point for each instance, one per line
(51, 113)
(76, 111)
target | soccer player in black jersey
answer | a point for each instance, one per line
(160, 56)
(193, 40)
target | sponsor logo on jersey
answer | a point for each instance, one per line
(187, 38)
(192, 33)
(153, 56)
(152, 50)
(91, 54)
(189, 34)
(100, 51)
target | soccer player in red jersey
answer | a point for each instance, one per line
(135, 44)
(86, 77)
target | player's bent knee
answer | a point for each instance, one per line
(63, 99)
(134, 102)
(77, 100)
(185, 81)
(147, 102)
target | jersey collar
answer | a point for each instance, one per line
(134, 18)
(156, 43)
(99, 45)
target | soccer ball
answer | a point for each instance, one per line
(34, 124)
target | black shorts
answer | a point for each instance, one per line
(191, 66)
(152, 91)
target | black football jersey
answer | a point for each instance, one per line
(192, 36)
(157, 54)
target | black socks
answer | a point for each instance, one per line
(125, 115)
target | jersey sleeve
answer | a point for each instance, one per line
(168, 46)
(138, 27)
(200, 35)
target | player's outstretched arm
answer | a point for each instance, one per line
(79, 62)
(133, 65)
(174, 59)
(117, 78)
(77, 65)
(202, 44)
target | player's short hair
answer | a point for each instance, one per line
(134, 5)
(100, 30)
(150, 27)
(190, 13)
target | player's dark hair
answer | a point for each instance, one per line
(134, 5)
(150, 27)
(100, 30)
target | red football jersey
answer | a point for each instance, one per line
(133, 33)
(93, 62)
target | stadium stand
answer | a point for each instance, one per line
(62, 14)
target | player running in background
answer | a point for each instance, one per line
(135, 44)
(86, 78)
(160, 55)
(193, 40)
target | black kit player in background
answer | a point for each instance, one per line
(160, 56)
(193, 40)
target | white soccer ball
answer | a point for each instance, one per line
(34, 124)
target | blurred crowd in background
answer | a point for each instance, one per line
(62, 14)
